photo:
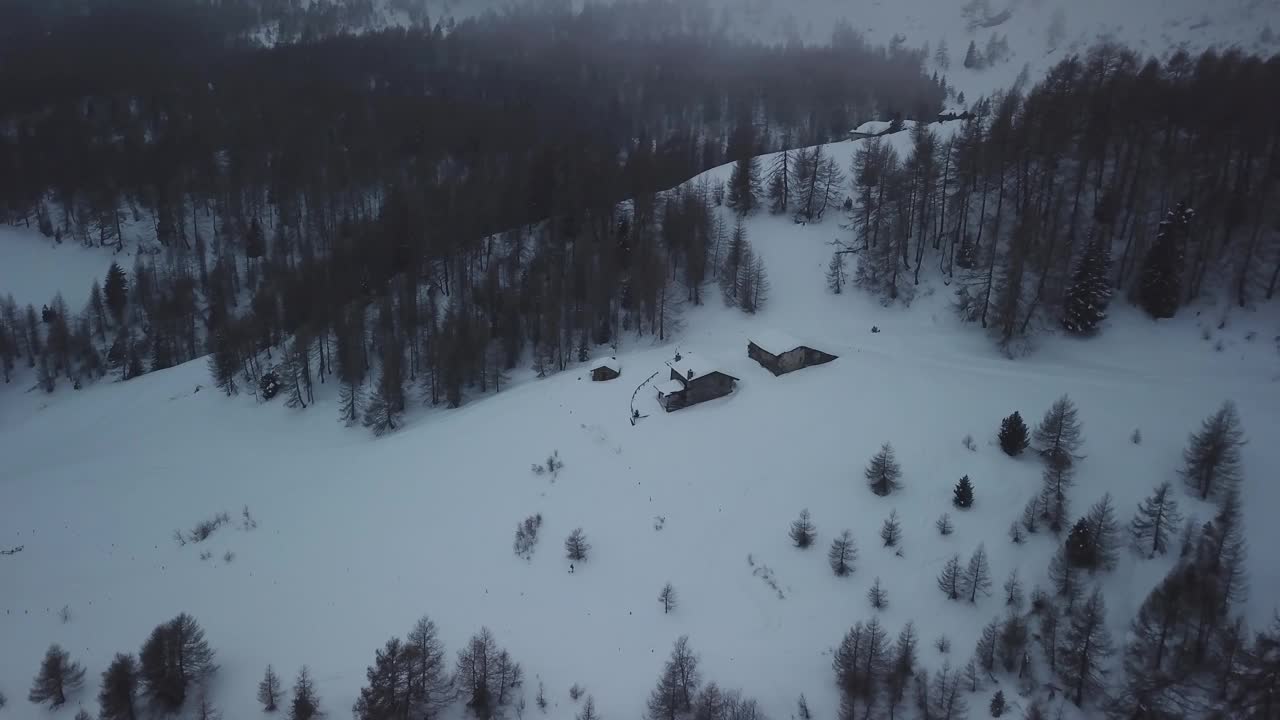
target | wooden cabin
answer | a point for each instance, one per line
(605, 369)
(780, 353)
(693, 381)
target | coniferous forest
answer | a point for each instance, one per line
(427, 206)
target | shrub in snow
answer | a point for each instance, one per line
(541, 699)
(59, 675)
(228, 557)
(551, 467)
(64, 614)
(202, 529)
(668, 598)
(883, 473)
(1013, 435)
(963, 494)
(802, 709)
(527, 536)
(1016, 534)
(206, 555)
(268, 385)
(969, 444)
(3, 701)
(944, 524)
(576, 546)
(247, 522)
(1136, 437)
(943, 644)
(802, 530)
(575, 692)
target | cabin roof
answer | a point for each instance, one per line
(609, 362)
(876, 127)
(775, 342)
(670, 386)
(698, 364)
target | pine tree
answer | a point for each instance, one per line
(305, 704)
(944, 524)
(836, 274)
(985, 651)
(59, 676)
(731, 268)
(1013, 598)
(678, 684)
(119, 688)
(269, 690)
(576, 546)
(949, 580)
(1058, 435)
(878, 596)
(843, 554)
(589, 710)
(1080, 547)
(430, 686)
(802, 531)
(1031, 515)
(901, 666)
(668, 598)
(963, 494)
(1104, 532)
(779, 183)
(1064, 576)
(1212, 457)
(1156, 519)
(977, 577)
(997, 704)
(1013, 435)
(744, 186)
(1013, 641)
(115, 292)
(891, 530)
(1090, 291)
(1160, 282)
(386, 696)
(973, 57)
(753, 283)
(1086, 645)
(224, 362)
(883, 473)
(802, 709)
(174, 656)
(1054, 504)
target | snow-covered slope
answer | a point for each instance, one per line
(359, 537)
(1040, 33)
(34, 268)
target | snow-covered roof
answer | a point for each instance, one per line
(775, 342)
(875, 127)
(698, 364)
(609, 362)
(670, 386)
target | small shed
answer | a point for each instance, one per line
(780, 353)
(605, 369)
(876, 128)
(693, 380)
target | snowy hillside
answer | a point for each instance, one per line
(356, 538)
(1039, 33)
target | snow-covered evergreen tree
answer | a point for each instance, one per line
(843, 554)
(1160, 284)
(802, 531)
(1090, 291)
(883, 473)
